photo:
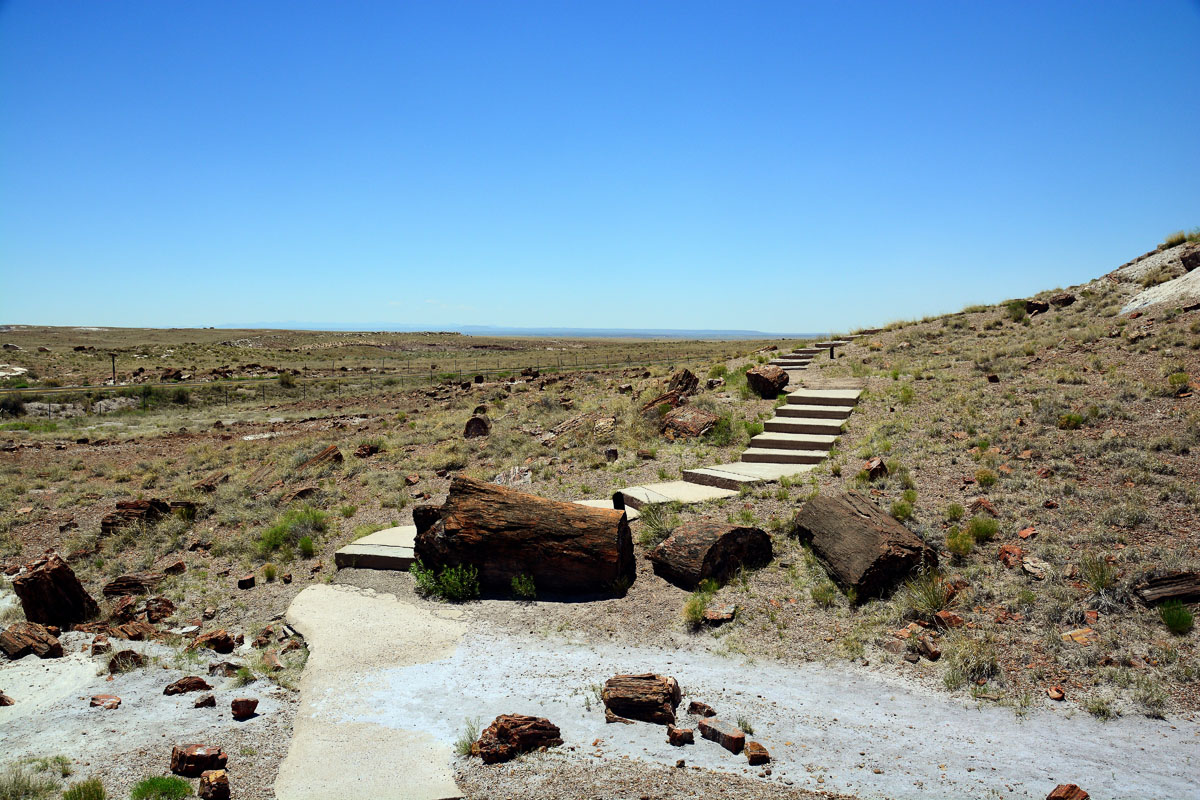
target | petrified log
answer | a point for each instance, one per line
(1158, 586)
(766, 380)
(330, 455)
(192, 683)
(566, 548)
(709, 549)
(192, 759)
(688, 422)
(723, 733)
(510, 735)
(142, 583)
(1033, 307)
(23, 638)
(647, 697)
(210, 483)
(129, 512)
(51, 594)
(683, 382)
(862, 548)
(1062, 299)
(477, 426)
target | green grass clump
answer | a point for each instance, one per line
(1070, 422)
(959, 542)
(1175, 239)
(1015, 310)
(294, 525)
(470, 735)
(18, 783)
(455, 584)
(658, 520)
(91, 789)
(985, 478)
(698, 603)
(955, 512)
(307, 548)
(824, 594)
(1178, 381)
(902, 510)
(161, 787)
(1096, 573)
(983, 529)
(721, 434)
(523, 587)
(269, 572)
(1175, 616)
(925, 595)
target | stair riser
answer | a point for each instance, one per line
(786, 426)
(764, 440)
(713, 480)
(780, 458)
(822, 401)
(827, 412)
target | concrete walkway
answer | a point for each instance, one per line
(339, 748)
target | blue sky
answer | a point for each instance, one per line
(782, 166)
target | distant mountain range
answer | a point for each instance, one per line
(500, 330)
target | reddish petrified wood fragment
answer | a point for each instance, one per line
(646, 697)
(50, 593)
(510, 735)
(725, 734)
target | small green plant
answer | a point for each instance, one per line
(824, 594)
(698, 603)
(1175, 616)
(925, 595)
(161, 787)
(91, 789)
(985, 478)
(959, 542)
(955, 512)
(721, 434)
(1096, 573)
(523, 587)
(744, 724)
(907, 395)
(455, 584)
(1070, 421)
(287, 381)
(983, 529)
(243, 677)
(902, 510)
(969, 659)
(1175, 239)
(658, 520)
(1015, 310)
(1101, 707)
(293, 525)
(468, 737)
(348, 511)
(119, 663)
(18, 783)
(1178, 381)
(269, 572)
(307, 548)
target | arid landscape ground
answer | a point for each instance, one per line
(1046, 447)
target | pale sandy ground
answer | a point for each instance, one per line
(833, 727)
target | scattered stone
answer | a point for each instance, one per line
(5, 700)
(1062, 300)
(766, 380)
(1056, 693)
(366, 450)
(178, 568)
(688, 422)
(983, 504)
(993, 378)
(214, 785)
(243, 708)
(696, 708)
(192, 760)
(1011, 554)
(50, 593)
(647, 697)
(208, 613)
(875, 468)
(476, 427)
(191, 683)
(1158, 586)
(927, 647)
(611, 454)
(1067, 791)
(680, 736)
(330, 455)
(299, 493)
(683, 382)
(124, 609)
(1035, 567)
(757, 754)
(510, 735)
(1082, 636)
(23, 638)
(100, 645)
(205, 701)
(218, 641)
(719, 614)
(862, 547)
(271, 661)
(709, 549)
(610, 717)
(625, 388)
(1027, 533)
(947, 620)
(645, 455)
(125, 660)
(158, 609)
(728, 736)
(106, 701)
(224, 669)
(246, 581)
(209, 485)
(136, 631)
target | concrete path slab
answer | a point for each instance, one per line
(401, 536)
(343, 743)
(825, 397)
(786, 424)
(391, 548)
(821, 412)
(672, 491)
(631, 513)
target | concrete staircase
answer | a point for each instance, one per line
(804, 429)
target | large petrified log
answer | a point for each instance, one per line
(52, 595)
(648, 697)
(566, 548)
(766, 380)
(862, 547)
(709, 549)
(1158, 586)
(510, 735)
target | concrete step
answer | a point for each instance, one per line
(824, 397)
(821, 412)
(742, 473)
(764, 455)
(830, 427)
(832, 343)
(808, 351)
(391, 548)
(790, 362)
(793, 441)
(670, 491)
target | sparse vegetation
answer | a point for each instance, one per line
(295, 524)
(1176, 616)
(468, 737)
(523, 587)
(90, 789)
(161, 787)
(455, 584)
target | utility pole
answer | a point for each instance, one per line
(113, 356)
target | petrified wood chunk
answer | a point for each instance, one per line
(509, 735)
(766, 380)
(863, 548)
(1159, 586)
(709, 549)
(566, 548)
(23, 638)
(51, 594)
(646, 697)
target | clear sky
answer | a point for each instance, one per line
(787, 166)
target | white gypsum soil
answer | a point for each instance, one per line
(835, 727)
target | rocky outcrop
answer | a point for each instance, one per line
(23, 638)
(510, 735)
(860, 546)
(50, 593)
(646, 697)
(709, 549)
(766, 380)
